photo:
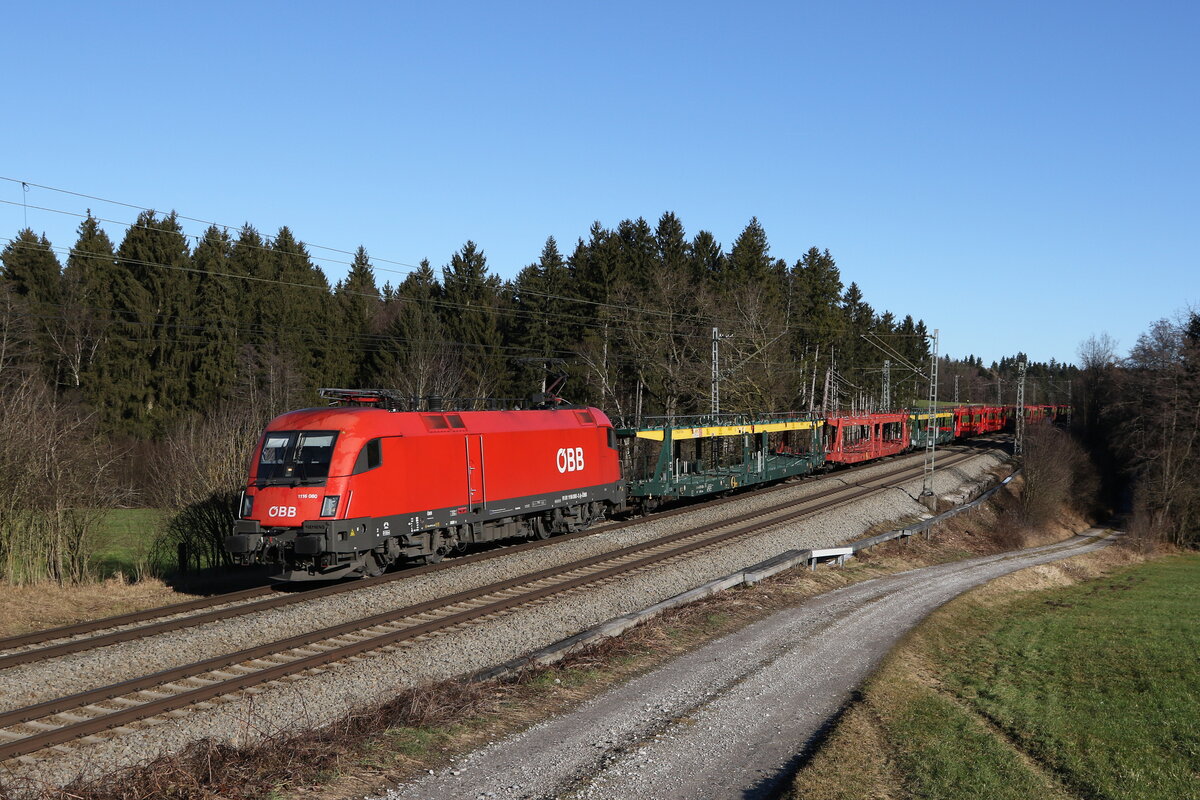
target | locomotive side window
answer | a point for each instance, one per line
(612, 438)
(296, 455)
(370, 457)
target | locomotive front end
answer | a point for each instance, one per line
(294, 508)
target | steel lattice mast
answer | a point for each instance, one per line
(886, 403)
(930, 429)
(1019, 444)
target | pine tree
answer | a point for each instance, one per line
(215, 365)
(296, 313)
(87, 307)
(359, 304)
(250, 260)
(414, 358)
(597, 269)
(662, 339)
(599, 282)
(471, 321)
(637, 252)
(536, 326)
(155, 253)
(33, 273)
(125, 367)
(750, 291)
(749, 261)
(32, 269)
(707, 259)
(859, 321)
(818, 287)
(673, 252)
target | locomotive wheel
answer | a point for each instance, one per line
(538, 529)
(454, 542)
(373, 565)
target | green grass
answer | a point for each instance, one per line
(124, 538)
(1089, 691)
(946, 752)
(1097, 682)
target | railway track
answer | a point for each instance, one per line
(156, 696)
(24, 649)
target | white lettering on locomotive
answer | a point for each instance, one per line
(281, 511)
(569, 459)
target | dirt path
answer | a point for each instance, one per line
(727, 720)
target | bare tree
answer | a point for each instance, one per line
(759, 374)
(1057, 473)
(597, 354)
(665, 339)
(56, 476)
(1157, 417)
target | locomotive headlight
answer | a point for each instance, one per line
(329, 505)
(247, 505)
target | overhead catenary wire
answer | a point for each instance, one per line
(515, 312)
(409, 267)
(273, 251)
(376, 342)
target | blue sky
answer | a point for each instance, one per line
(1039, 161)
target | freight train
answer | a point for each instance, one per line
(357, 487)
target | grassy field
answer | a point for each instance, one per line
(124, 538)
(1087, 690)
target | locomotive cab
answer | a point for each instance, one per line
(293, 507)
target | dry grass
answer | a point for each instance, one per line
(49, 605)
(868, 775)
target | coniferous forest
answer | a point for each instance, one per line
(139, 372)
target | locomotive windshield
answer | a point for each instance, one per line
(296, 456)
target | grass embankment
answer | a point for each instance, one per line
(1041, 684)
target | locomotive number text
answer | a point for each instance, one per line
(570, 459)
(281, 511)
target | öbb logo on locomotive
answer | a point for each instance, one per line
(281, 511)
(569, 459)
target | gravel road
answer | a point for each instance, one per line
(727, 720)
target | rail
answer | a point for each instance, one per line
(28, 730)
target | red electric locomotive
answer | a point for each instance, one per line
(340, 491)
